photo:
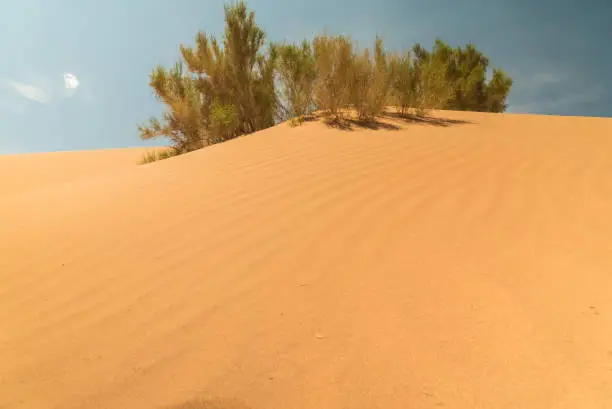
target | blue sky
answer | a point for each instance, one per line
(557, 52)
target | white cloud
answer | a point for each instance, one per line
(70, 80)
(45, 89)
(71, 84)
(31, 92)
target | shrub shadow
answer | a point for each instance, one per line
(425, 120)
(210, 404)
(297, 121)
(382, 122)
(348, 124)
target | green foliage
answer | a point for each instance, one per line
(334, 60)
(362, 81)
(182, 123)
(296, 70)
(497, 91)
(221, 89)
(419, 80)
(381, 80)
(157, 154)
(447, 78)
(466, 73)
(403, 81)
(371, 82)
(223, 122)
(228, 91)
(433, 89)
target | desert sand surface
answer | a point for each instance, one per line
(24, 172)
(464, 264)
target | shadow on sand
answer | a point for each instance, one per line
(350, 124)
(389, 121)
(210, 404)
(425, 120)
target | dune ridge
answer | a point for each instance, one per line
(459, 266)
(25, 172)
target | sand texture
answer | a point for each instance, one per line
(460, 263)
(22, 172)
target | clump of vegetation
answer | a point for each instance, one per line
(157, 154)
(370, 82)
(227, 90)
(296, 71)
(334, 60)
(222, 89)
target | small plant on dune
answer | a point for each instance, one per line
(148, 157)
(155, 155)
(166, 153)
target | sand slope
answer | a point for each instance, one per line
(460, 266)
(22, 172)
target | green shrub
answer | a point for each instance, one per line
(157, 154)
(296, 69)
(333, 66)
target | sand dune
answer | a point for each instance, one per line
(458, 266)
(23, 172)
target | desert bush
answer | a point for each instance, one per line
(497, 91)
(157, 154)
(361, 83)
(433, 89)
(227, 91)
(371, 80)
(418, 81)
(381, 81)
(333, 67)
(182, 122)
(296, 70)
(446, 78)
(402, 81)
(466, 73)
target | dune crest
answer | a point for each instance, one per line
(23, 172)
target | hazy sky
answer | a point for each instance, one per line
(75, 73)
